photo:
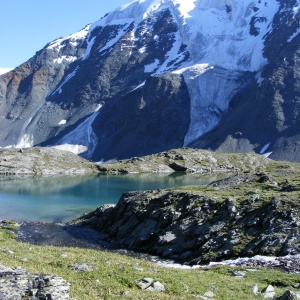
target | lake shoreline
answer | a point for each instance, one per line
(63, 235)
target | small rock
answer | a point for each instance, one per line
(144, 283)
(239, 274)
(124, 293)
(138, 268)
(19, 270)
(81, 267)
(269, 292)
(209, 294)
(186, 288)
(289, 295)
(148, 284)
(269, 295)
(268, 289)
(273, 184)
(158, 287)
(254, 289)
(255, 197)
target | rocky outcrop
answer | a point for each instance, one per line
(51, 161)
(248, 214)
(187, 160)
(42, 161)
(18, 284)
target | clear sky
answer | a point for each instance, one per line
(26, 26)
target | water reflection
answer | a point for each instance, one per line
(61, 198)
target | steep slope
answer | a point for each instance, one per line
(264, 116)
(154, 75)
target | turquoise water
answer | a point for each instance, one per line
(59, 199)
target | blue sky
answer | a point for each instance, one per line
(26, 26)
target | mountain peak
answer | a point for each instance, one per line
(159, 74)
(227, 33)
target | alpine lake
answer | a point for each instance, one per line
(58, 199)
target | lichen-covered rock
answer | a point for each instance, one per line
(188, 160)
(42, 161)
(18, 284)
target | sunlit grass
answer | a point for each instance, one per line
(113, 275)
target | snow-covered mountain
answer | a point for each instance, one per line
(159, 74)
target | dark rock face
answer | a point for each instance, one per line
(142, 80)
(144, 122)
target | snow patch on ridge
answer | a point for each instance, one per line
(264, 149)
(68, 77)
(151, 67)
(64, 58)
(26, 141)
(293, 35)
(73, 38)
(62, 122)
(89, 48)
(121, 32)
(76, 149)
(81, 140)
(139, 86)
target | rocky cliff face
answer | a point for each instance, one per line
(160, 74)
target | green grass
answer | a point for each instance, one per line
(9, 225)
(112, 274)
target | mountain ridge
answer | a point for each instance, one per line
(83, 91)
